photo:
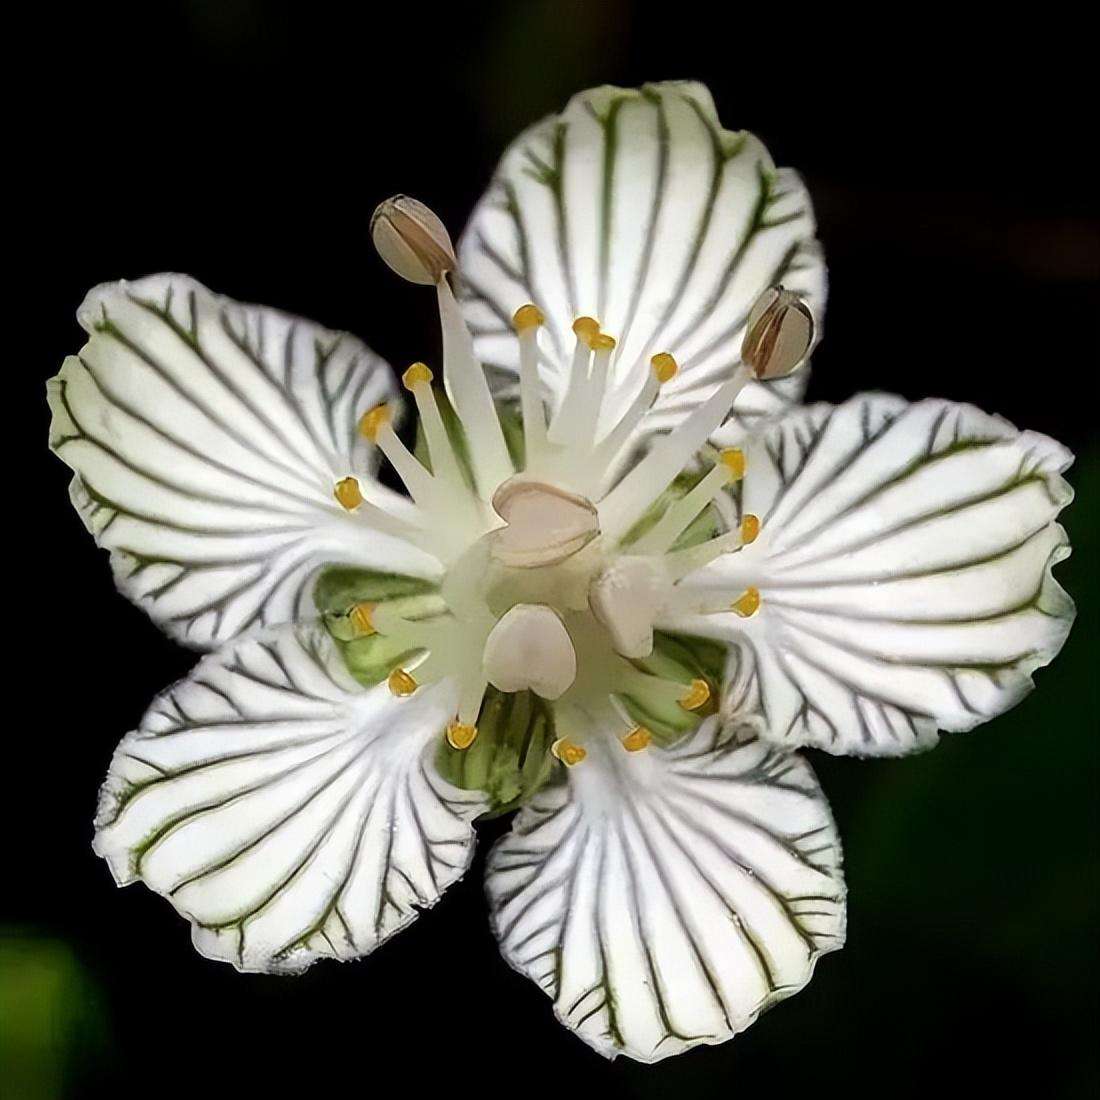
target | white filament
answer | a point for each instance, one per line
(628, 501)
(473, 401)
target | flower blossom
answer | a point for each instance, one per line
(629, 577)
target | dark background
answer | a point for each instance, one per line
(246, 143)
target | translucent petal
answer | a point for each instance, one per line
(637, 208)
(289, 814)
(904, 568)
(664, 898)
(207, 438)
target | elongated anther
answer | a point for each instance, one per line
(416, 375)
(348, 493)
(601, 342)
(568, 752)
(412, 240)
(750, 528)
(361, 616)
(748, 603)
(401, 683)
(696, 695)
(460, 735)
(527, 317)
(373, 421)
(637, 739)
(778, 334)
(664, 367)
(733, 458)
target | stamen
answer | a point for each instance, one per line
(681, 513)
(469, 390)
(527, 320)
(747, 604)
(750, 528)
(584, 328)
(778, 334)
(418, 374)
(680, 563)
(418, 380)
(460, 736)
(372, 421)
(401, 683)
(733, 458)
(422, 487)
(528, 316)
(423, 632)
(588, 416)
(627, 679)
(663, 368)
(412, 240)
(637, 739)
(696, 695)
(563, 425)
(360, 618)
(568, 752)
(348, 493)
(627, 502)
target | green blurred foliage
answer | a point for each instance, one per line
(53, 1030)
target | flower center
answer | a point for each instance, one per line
(557, 570)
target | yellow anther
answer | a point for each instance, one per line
(664, 367)
(733, 458)
(748, 603)
(460, 736)
(401, 683)
(414, 376)
(696, 695)
(750, 528)
(528, 316)
(585, 328)
(568, 752)
(372, 422)
(348, 493)
(360, 618)
(601, 342)
(637, 739)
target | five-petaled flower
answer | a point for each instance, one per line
(630, 578)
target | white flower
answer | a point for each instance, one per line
(620, 592)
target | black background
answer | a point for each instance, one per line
(246, 143)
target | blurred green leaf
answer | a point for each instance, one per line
(51, 1017)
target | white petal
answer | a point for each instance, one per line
(904, 567)
(637, 208)
(206, 438)
(289, 814)
(664, 898)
